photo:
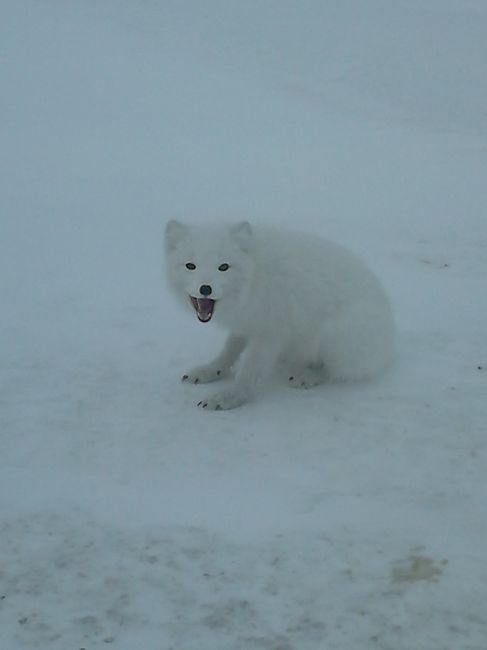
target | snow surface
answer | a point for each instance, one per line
(338, 518)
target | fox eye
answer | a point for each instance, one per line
(223, 267)
(190, 266)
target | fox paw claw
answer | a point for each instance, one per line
(223, 401)
(202, 375)
(306, 379)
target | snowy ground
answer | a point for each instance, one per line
(339, 518)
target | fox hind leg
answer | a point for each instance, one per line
(306, 377)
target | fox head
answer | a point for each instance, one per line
(210, 267)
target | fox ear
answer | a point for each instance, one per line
(174, 233)
(242, 233)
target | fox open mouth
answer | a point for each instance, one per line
(204, 308)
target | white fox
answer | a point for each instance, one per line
(283, 296)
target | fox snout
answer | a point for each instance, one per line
(206, 290)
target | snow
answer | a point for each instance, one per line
(338, 518)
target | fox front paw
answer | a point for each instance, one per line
(203, 375)
(224, 401)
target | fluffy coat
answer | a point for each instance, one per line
(282, 296)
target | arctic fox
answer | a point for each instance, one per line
(283, 296)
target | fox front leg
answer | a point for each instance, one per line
(257, 364)
(220, 367)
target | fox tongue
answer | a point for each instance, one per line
(204, 308)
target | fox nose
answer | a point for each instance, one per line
(205, 290)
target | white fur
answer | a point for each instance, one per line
(286, 296)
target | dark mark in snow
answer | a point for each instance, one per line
(416, 568)
(443, 265)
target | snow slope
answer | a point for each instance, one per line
(338, 518)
